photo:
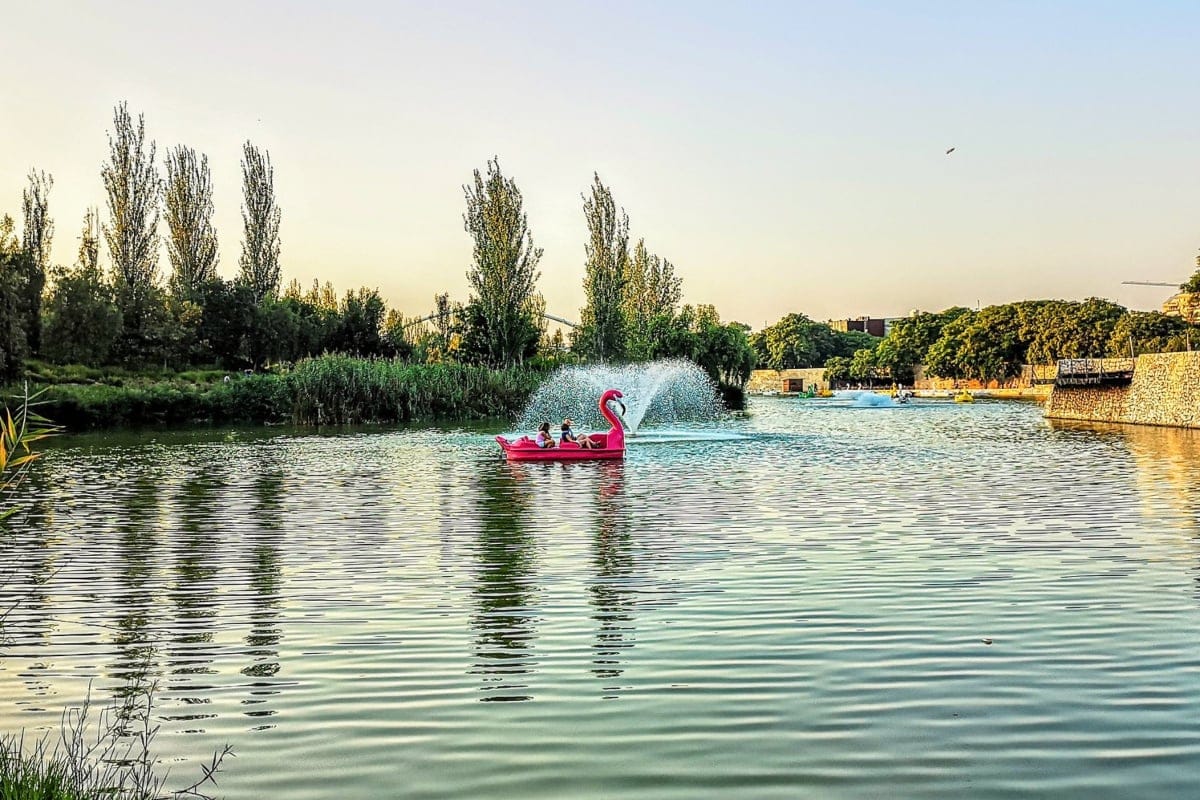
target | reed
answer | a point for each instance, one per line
(341, 390)
(330, 390)
(111, 757)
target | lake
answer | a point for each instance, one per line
(810, 600)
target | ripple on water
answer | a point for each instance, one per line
(810, 600)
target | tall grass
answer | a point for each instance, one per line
(329, 390)
(340, 390)
(110, 758)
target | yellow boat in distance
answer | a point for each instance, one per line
(964, 397)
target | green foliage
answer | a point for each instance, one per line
(1073, 330)
(837, 370)
(358, 328)
(18, 280)
(18, 432)
(192, 239)
(1192, 284)
(863, 366)
(132, 185)
(724, 352)
(505, 269)
(259, 264)
(994, 342)
(338, 390)
(796, 342)
(603, 330)
(1147, 332)
(82, 321)
(650, 289)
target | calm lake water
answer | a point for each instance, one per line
(813, 600)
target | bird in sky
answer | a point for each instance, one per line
(951, 150)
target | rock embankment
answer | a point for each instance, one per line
(1165, 390)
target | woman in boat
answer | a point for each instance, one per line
(586, 442)
(544, 439)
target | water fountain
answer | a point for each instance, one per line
(873, 400)
(659, 392)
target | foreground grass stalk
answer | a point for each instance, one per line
(110, 759)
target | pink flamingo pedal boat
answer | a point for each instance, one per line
(612, 444)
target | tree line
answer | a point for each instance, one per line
(991, 343)
(128, 315)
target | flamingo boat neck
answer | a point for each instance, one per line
(611, 444)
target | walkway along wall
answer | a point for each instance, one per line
(1165, 390)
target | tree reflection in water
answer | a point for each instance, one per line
(612, 598)
(266, 582)
(504, 622)
(193, 592)
(137, 531)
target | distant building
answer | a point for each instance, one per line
(872, 325)
(1184, 304)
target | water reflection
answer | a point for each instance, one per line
(137, 546)
(1167, 475)
(1167, 462)
(262, 641)
(193, 592)
(504, 622)
(31, 558)
(612, 598)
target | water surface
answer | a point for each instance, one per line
(811, 600)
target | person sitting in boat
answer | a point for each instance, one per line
(544, 439)
(584, 441)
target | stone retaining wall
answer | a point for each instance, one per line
(774, 380)
(1165, 391)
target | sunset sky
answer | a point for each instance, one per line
(784, 156)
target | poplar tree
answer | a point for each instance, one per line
(260, 219)
(192, 244)
(603, 326)
(651, 288)
(36, 239)
(132, 183)
(505, 268)
(88, 257)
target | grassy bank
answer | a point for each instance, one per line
(324, 390)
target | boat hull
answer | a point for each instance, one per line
(524, 449)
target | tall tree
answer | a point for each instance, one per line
(603, 330)
(192, 245)
(505, 268)
(132, 183)
(260, 219)
(89, 241)
(37, 236)
(82, 321)
(15, 265)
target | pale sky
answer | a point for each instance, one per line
(784, 156)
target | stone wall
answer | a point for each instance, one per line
(1165, 391)
(774, 380)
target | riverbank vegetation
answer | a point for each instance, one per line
(991, 343)
(122, 344)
